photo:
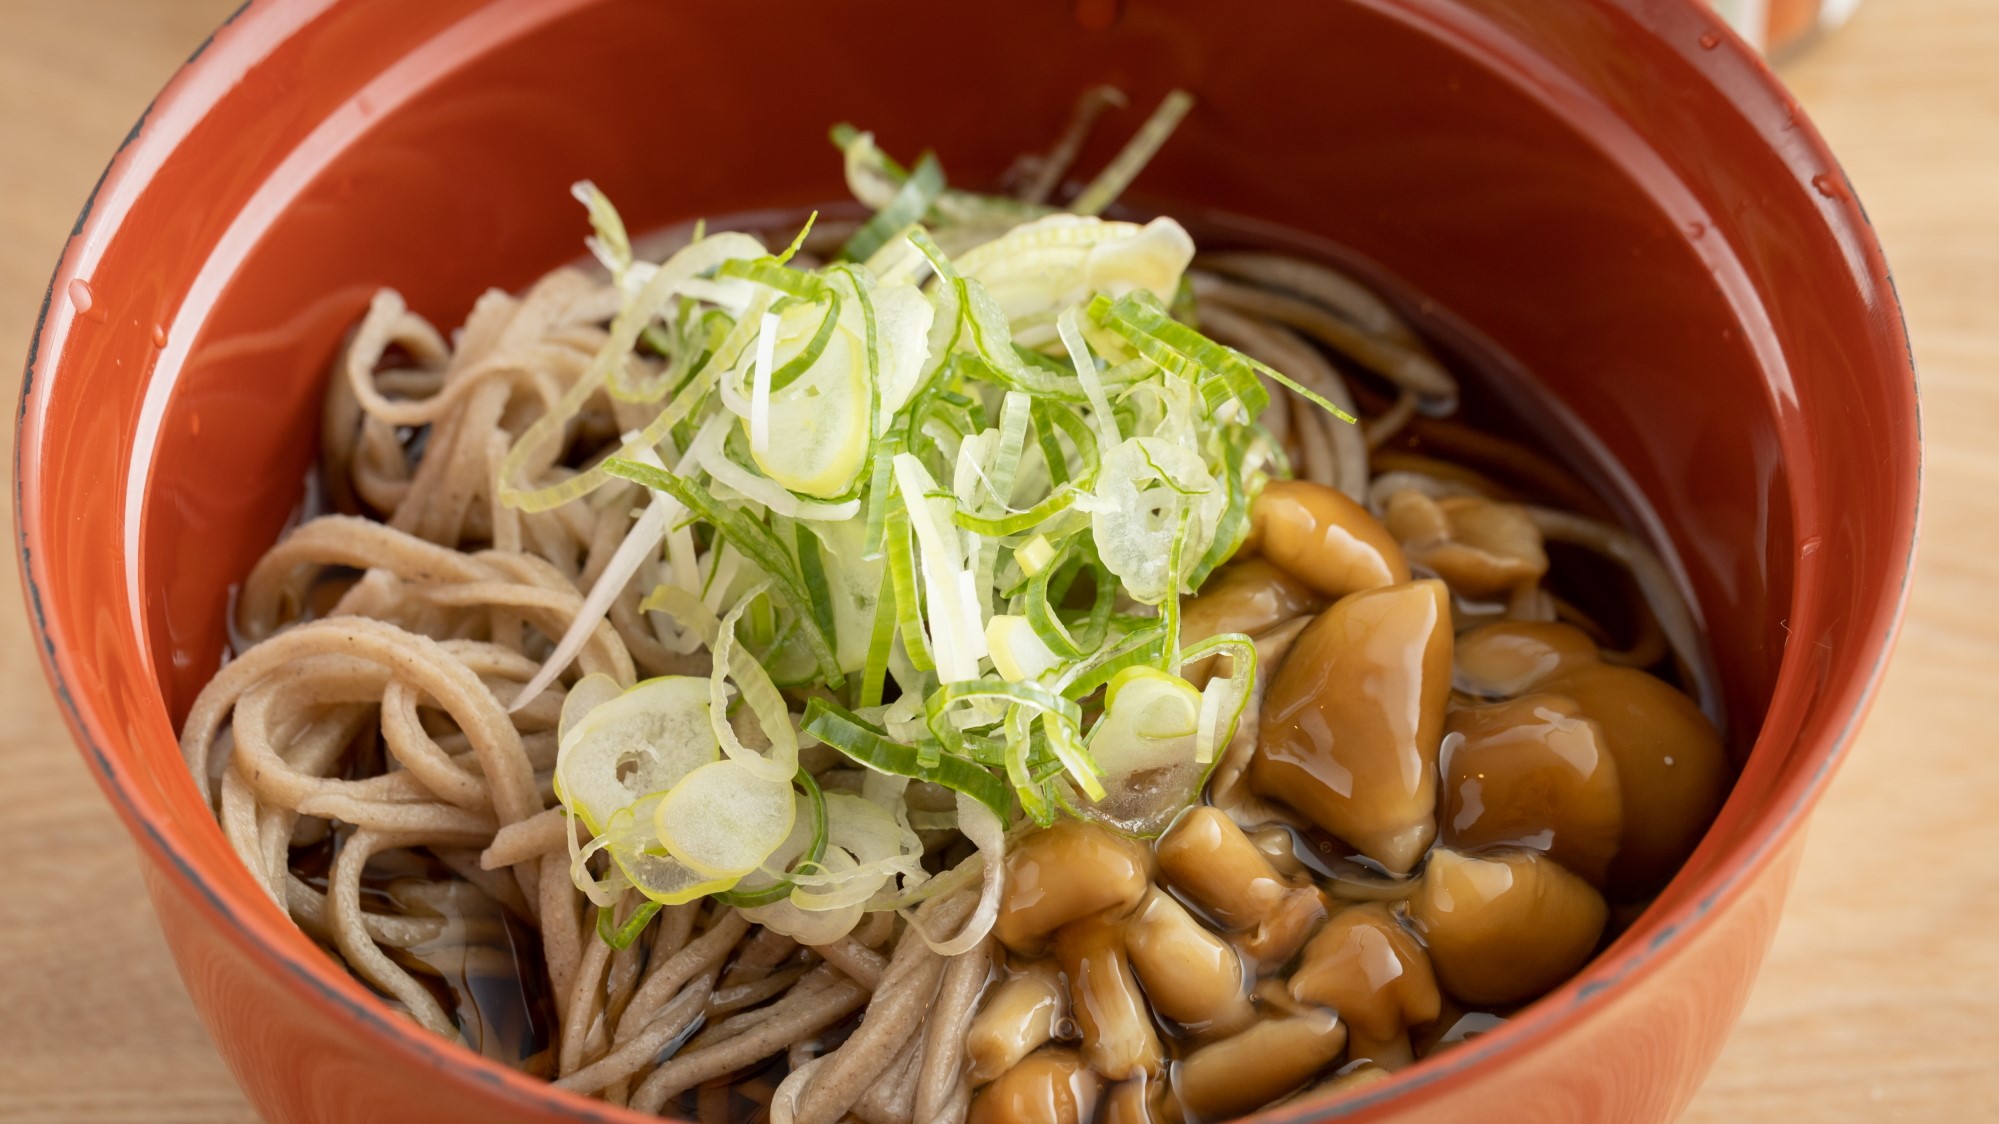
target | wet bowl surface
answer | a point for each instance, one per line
(1613, 192)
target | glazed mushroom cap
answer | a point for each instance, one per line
(1670, 765)
(1250, 596)
(1533, 772)
(1351, 721)
(1480, 547)
(1208, 858)
(1508, 658)
(1322, 538)
(1279, 935)
(1504, 927)
(1068, 870)
(1371, 970)
(1118, 1037)
(1191, 975)
(1270, 1059)
(1280, 848)
(1049, 1086)
(1017, 1018)
(1134, 1102)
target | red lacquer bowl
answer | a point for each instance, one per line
(1615, 192)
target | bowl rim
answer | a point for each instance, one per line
(260, 26)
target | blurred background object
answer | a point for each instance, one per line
(1779, 27)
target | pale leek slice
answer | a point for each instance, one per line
(633, 844)
(724, 819)
(1017, 653)
(1143, 488)
(642, 741)
(819, 423)
(1040, 268)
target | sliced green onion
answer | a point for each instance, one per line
(1060, 717)
(797, 240)
(1086, 374)
(546, 431)
(1065, 739)
(927, 246)
(755, 541)
(1219, 372)
(771, 274)
(912, 201)
(812, 570)
(877, 174)
(1034, 555)
(957, 630)
(620, 937)
(1227, 696)
(610, 245)
(1145, 646)
(1302, 391)
(1123, 168)
(814, 348)
(1233, 527)
(1028, 787)
(881, 643)
(992, 339)
(711, 453)
(814, 852)
(902, 573)
(880, 489)
(844, 136)
(1015, 413)
(1169, 609)
(1065, 417)
(1096, 626)
(846, 732)
(1041, 617)
(1015, 522)
(1047, 436)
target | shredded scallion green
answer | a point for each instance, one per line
(950, 496)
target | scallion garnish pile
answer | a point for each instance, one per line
(947, 500)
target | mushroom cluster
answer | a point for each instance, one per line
(1421, 824)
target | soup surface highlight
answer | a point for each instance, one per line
(979, 662)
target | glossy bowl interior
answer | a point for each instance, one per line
(1644, 221)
